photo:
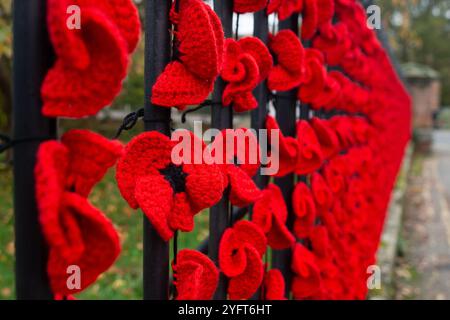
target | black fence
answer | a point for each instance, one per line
(33, 56)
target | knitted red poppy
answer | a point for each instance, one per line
(169, 194)
(334, 174)
(310, 156)
(334, 41)
(343, 127)
(76, 232)
(244, 6)
(274, 285)
(323, 196)
(327, 138)
(270, 213)
(240, 258)
(289, 52)
(304, 209)
(284, 8)
(92, 61)
(306, 281)
(246, 63)
(288, 148)
(240, 164)
(195, 276)
(315, 77)
(310, 18)
(190, 79)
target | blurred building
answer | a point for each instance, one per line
(425, 88)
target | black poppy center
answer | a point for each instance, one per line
(175, 176)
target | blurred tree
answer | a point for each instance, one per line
(5, 64)
(419, 31)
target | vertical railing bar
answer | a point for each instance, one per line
(157, 55)
(286, 103)
(221, 118)
(33, 56)
(258, 116)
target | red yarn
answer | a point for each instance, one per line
(195, 276)
(306, 281)
(270, 213)
(287, 73)
(244, 6)
(304, 209)
(91, 62)
(76, 232)
(284, 8)
(246, 63)
(238, 166)
(321, 192)
(288, 148)
(190, 80)
(315, 78)
(274, 285)
(310, 154)
(169, 194)
(326, 136)
(310, 18)
(240, 253)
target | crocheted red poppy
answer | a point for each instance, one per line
(240, 258)
(315, 77)
(284, 8)
(334, 41)
(288, 148)
(343, 127)
(321, 192)
(244, 6)
(304, 209)
(310, 156)
(270, 213)
(90, 156)
(169, 193)
(334, 174)
(327, 138)
(92, 61)
(310, 18)
(246, 63)
(240, 164)
(195, 276)
(289, 52)
(189, 80)
(306, 281)
(274, 285)
(76, 232)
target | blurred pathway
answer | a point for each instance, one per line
(426, 231)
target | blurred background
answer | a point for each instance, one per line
(416, 247)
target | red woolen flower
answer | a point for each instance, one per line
(244, 6)
(76, 232)
(274, 285)
(343, 127)
(310, 156)
(306, 281)
(169, 193)
(246, 63)
(190, 79)
(304, 209)
(91, 61)
(310, 16)
(334, 173)
(284, 8)
(327, 138)
(195, 276)
(239, 164)
(287, 73)
(288, 149)
(321, 192)
(240, 258)
(270, 213)
(325, 12)
(334, 41)
(315, 77)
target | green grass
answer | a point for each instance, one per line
(124, 279)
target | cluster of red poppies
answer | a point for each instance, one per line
(344, 165)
